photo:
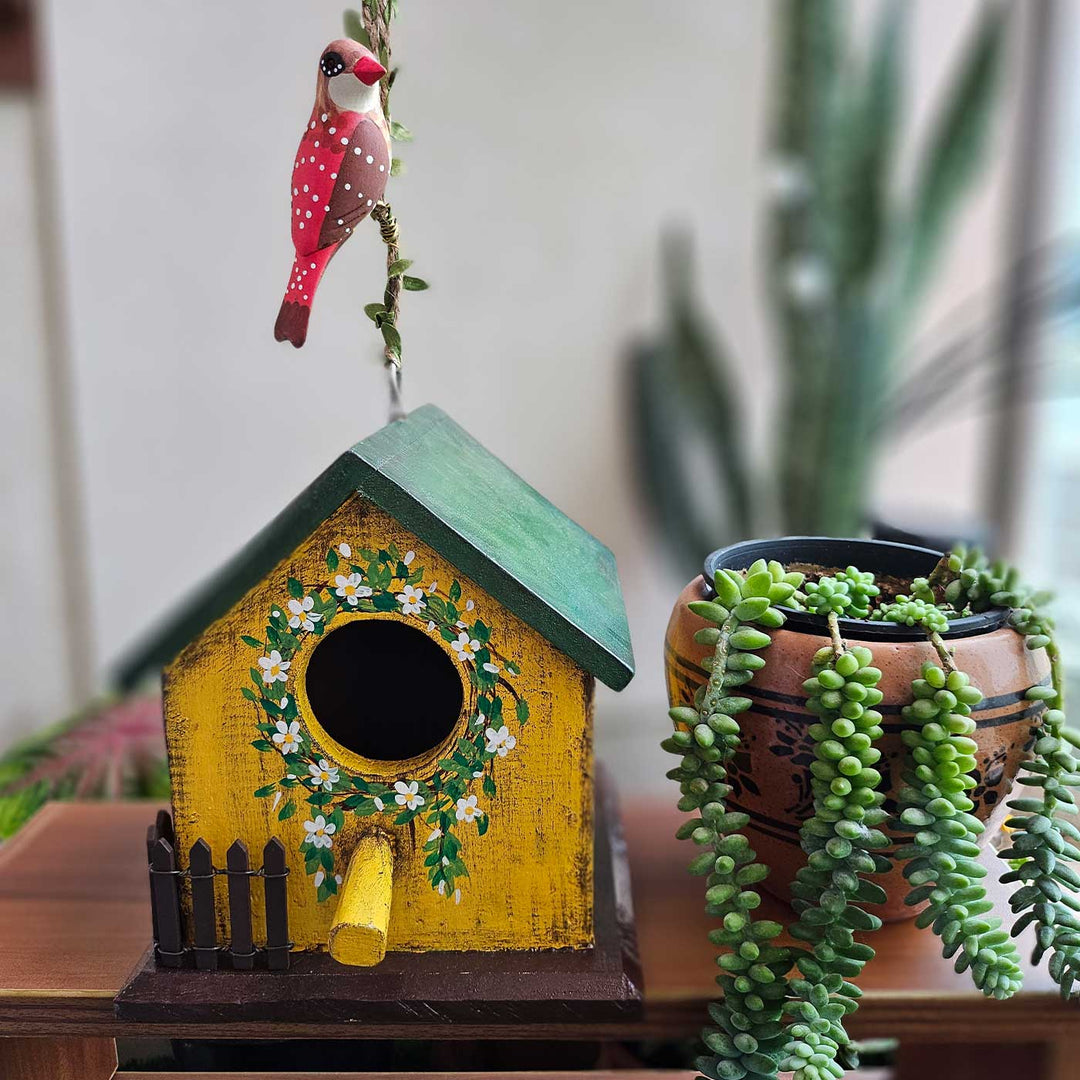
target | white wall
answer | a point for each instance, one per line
(551, 147)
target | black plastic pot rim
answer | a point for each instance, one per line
(880, 556)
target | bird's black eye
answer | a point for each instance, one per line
(332, 64)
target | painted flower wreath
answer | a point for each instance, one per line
(381, 581)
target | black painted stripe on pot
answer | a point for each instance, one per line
(778, 830)
(1034, 709)
(999, 701)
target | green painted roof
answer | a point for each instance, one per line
(444, 487)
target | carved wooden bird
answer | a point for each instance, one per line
(339, 174)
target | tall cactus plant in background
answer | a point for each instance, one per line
(848, 262)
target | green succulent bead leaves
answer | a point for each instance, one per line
(748, 1036)
(842, 841)
(942, 865)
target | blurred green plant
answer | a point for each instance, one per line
(847, 266)
(113, 749)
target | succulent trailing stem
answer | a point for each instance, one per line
(749, 1032)
(841, 840)
(942, 860)
(1043, 848)
(946, 657)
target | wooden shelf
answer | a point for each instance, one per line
(74, 921)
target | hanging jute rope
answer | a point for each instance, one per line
(377, 15)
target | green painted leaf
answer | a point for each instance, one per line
(455, 591)
(482, 824)
(296, 588)
(287, 811)
(414, 284)
(332, 560)
(320, 798)
(262, 745)
(249, 694)
(481, 632)
(269, 789)
(255, 643)
(489, 787)
(384, 602)
(522, 710)
(396, 269)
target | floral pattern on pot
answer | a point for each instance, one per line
(382, 581)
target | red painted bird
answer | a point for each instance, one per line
(340, 173)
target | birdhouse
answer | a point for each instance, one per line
(395, 678)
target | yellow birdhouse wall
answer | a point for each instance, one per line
(530, 875)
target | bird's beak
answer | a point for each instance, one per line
(368, 70)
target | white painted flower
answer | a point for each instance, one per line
(431, 625)
(493, 668)
(461, 624)
(319, 832)
(409, 556)
(435, 834)
(301, 614)
(407, 794)
(324, 774)
(467, 810)
(351, 589)
(379, 805)
(433, 588)
(277, 799)
(320, 877)
(465, 647)
(411, 601)
(274, 668)
(337, 878)
(808, 280)
(469, 605)
(287, 737)
(457, 896)
(345, 550)
(477, 773)
(442, 888)
(500, 742)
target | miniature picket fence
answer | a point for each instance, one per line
(176, 949)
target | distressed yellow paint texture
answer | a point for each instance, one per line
(531, 875)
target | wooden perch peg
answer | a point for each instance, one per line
(358, 933)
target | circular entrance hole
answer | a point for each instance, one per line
(383, 689)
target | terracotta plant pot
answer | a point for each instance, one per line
(770, 773)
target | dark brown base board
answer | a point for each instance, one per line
(541, 986)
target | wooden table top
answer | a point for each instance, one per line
(75, 919)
